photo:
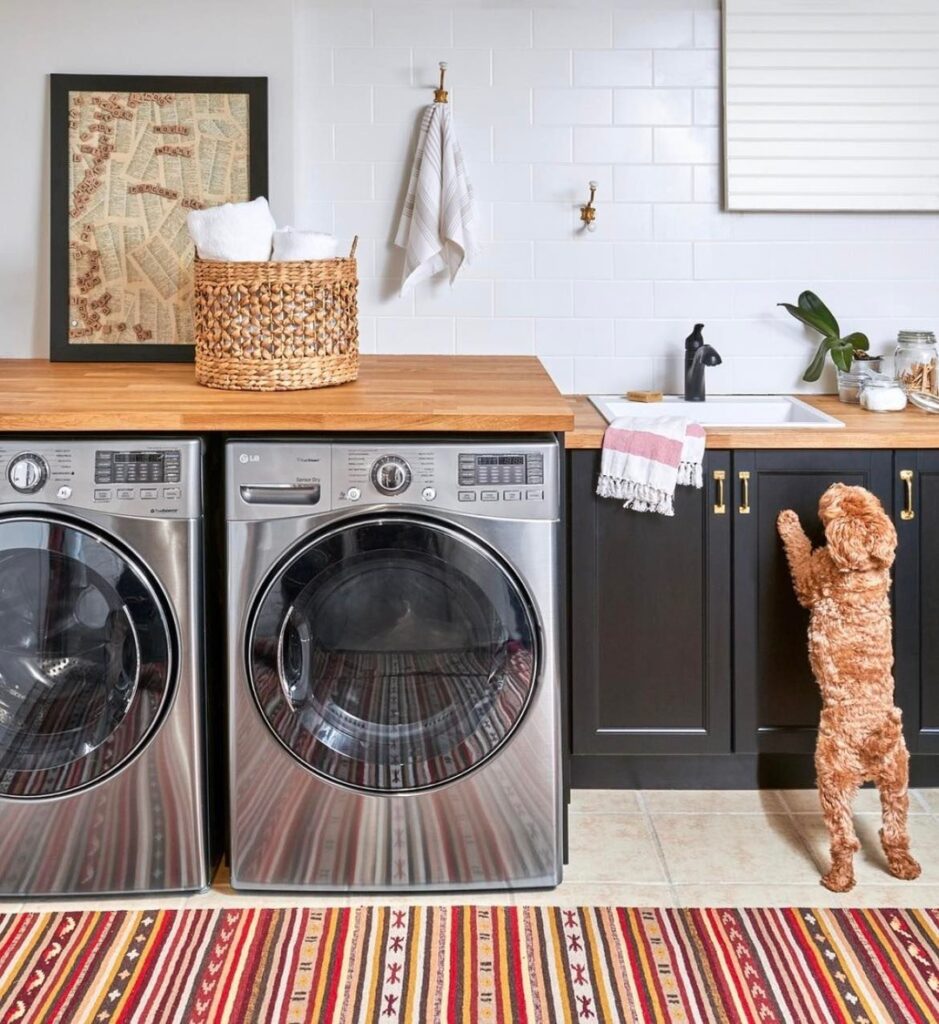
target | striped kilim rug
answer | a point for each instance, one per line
(493, 964)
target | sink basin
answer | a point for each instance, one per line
(722, 411)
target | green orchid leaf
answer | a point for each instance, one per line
(859, 342)
(809, 319)
(842, 356)
(815, 368)
(812, 306)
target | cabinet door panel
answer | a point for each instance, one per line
(916, 592)
(776, 698)
(651, 620)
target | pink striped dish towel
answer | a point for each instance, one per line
(644, 460)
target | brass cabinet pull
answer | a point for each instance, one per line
(908, 512)
(720, 508)
(744, 492)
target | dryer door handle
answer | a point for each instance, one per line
(281, 494)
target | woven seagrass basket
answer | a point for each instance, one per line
(276, 326)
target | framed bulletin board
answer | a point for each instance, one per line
(131, 155)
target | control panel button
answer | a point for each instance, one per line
(125, 493)
(64, 493)
(148, 492)
(534, 495)
(102, 494)
(428, 494)
(512, 495)
(353, 494)
(27, 472)
(172, 493)
(466, 495)
(391, 475)
(489, 495)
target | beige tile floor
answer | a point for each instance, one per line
(678, 848)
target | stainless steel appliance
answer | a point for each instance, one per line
(394, 675)
(101, 704)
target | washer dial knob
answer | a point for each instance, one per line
(27, 472)
(391, 474)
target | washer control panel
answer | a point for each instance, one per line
(117, 477)
(498, 479)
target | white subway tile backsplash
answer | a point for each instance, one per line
(573, 106)
(413, 25)
(696, 68)
(574, 337)
(495, 336)
(695, 145)
(613, 299)
(573, 261)
(546, 97)
(372, 65)
(651, 28)
(653, 106)
(653, 261)
(532, 145)
(564, 28)
(534, 298)
(612, 68)
(652, 183)
(492, 27)
(528, 68)
(618, 144)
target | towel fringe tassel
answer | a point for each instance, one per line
(639, 497)
(690, 474)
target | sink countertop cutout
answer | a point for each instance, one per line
(724, 411)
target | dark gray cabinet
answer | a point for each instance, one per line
(776, 699)
(916, 596)
(687, 639)
(651, 618)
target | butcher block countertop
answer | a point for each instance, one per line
(911, 428)
(393, 393)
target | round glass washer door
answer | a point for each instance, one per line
(392, 654)
(86, 657)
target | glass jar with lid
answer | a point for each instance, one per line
(881, 393)
(916, 361)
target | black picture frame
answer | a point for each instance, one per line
(61, 349)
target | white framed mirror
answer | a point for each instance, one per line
(831, 105)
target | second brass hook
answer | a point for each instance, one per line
(588, 213)
(440, 94)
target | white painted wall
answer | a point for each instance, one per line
(172, 37)
(547, 95)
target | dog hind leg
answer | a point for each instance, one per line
(892, 782)
(836, 792)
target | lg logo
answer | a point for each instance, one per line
(245, 458)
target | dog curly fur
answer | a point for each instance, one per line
(846, 586)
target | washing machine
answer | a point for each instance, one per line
(393, 664)
(102, 787)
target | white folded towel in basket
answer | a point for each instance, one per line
(437, 229)
(236, 232)
(644, 460)
(303, 245)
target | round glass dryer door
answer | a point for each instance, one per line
(392, 654)
(85, 657)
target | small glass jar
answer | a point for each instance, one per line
(849, 383)
(880, 393)
(916, 360)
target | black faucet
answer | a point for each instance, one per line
(697, 356)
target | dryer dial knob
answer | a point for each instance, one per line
(27, 472)
(391, 475)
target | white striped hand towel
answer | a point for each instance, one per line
(438, 222)
(644, 460)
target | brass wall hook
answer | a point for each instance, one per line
(588, 213)
(440, 94)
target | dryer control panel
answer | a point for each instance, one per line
(160, 480)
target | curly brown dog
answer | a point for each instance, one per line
(846, 586)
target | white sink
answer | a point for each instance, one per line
(722, 411)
